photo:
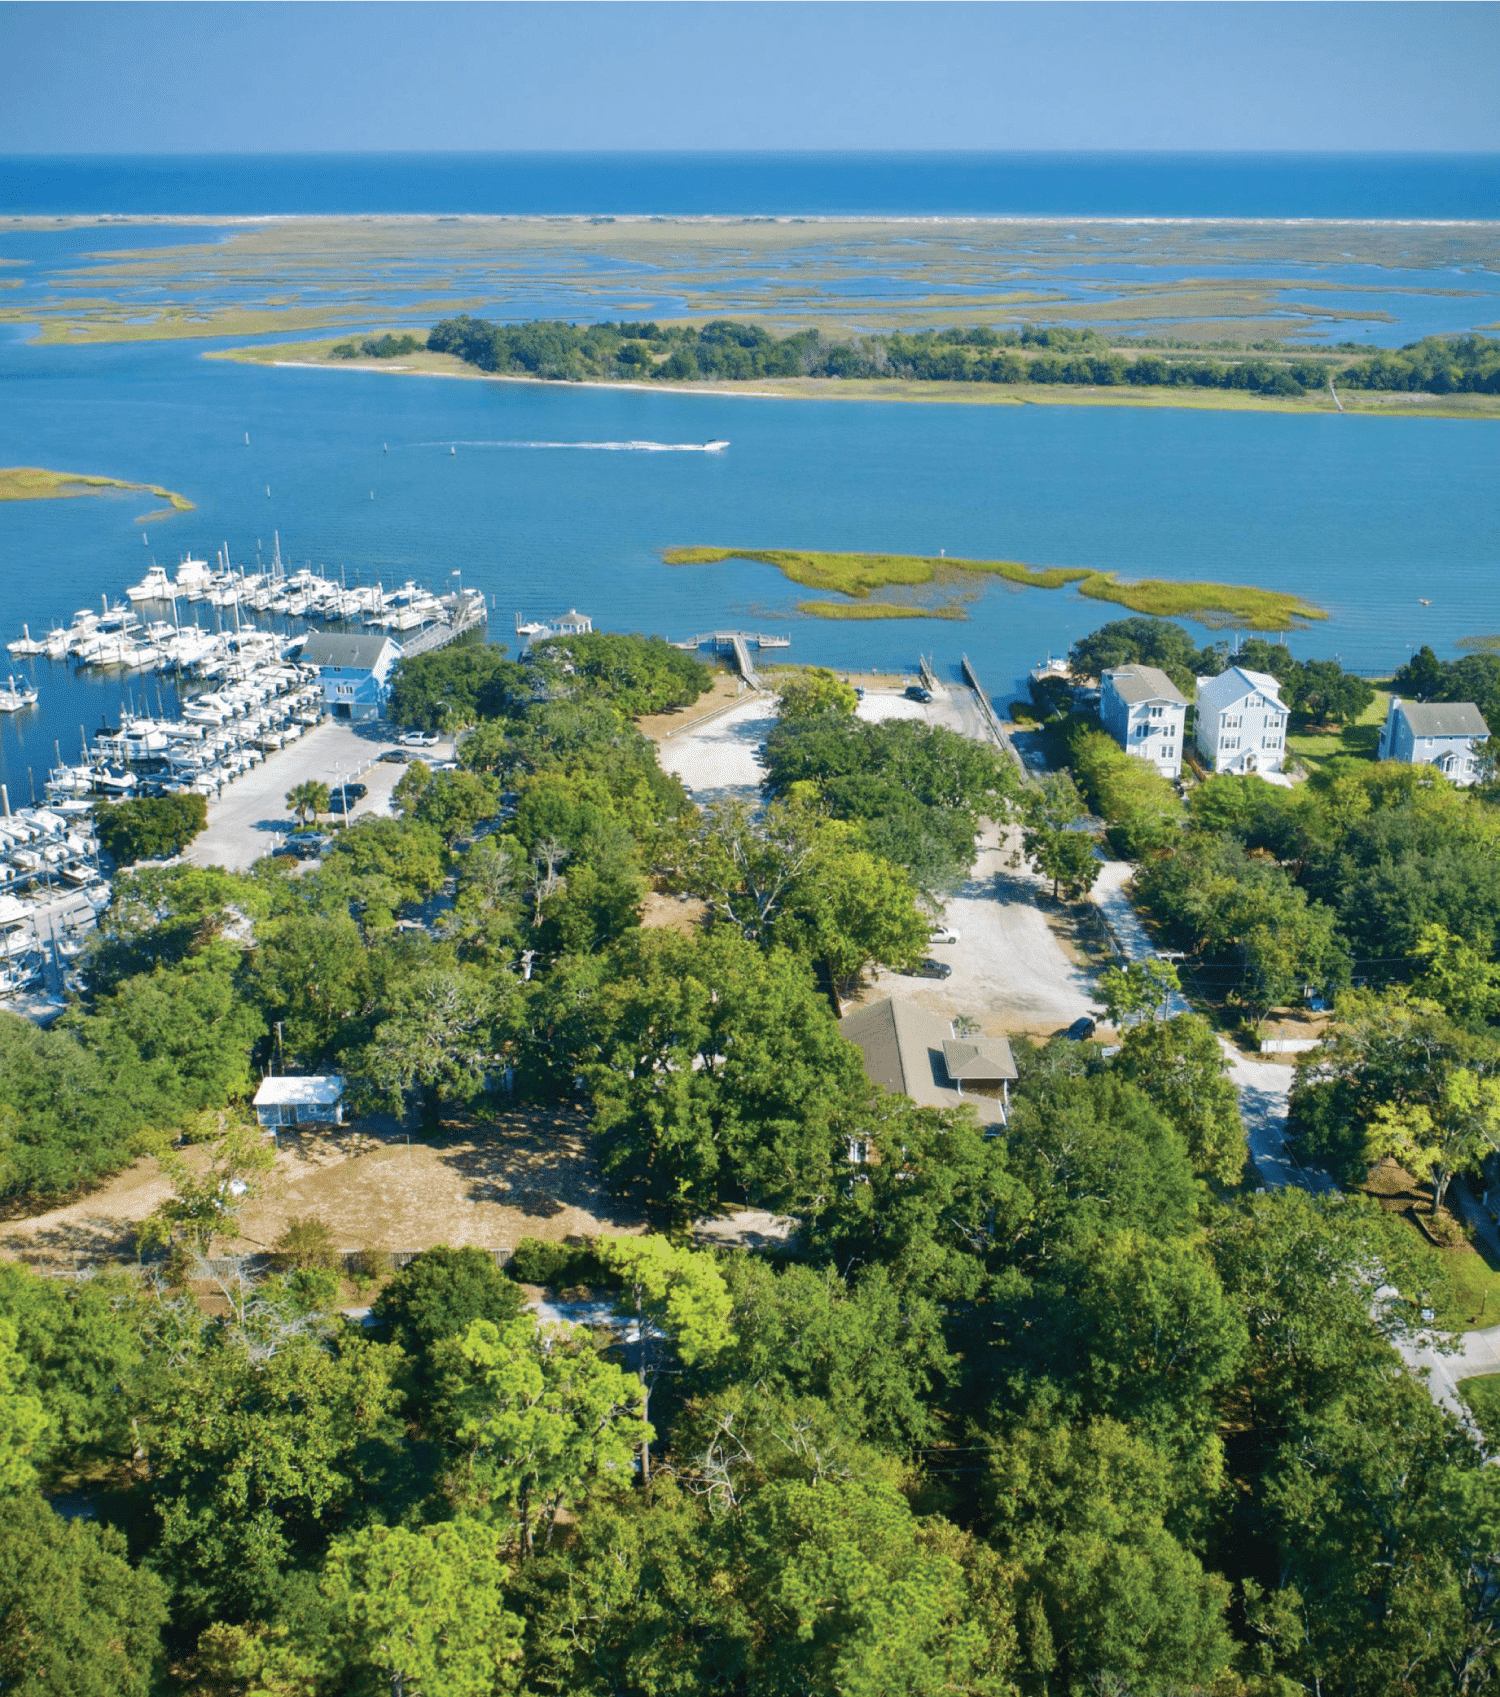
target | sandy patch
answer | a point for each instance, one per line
(526, 1173)
(662, 912)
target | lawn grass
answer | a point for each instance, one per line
(878, 610)
(856, 575)
(1476, 1291)
(1482, 1394)
(36, 483)
(1359, 741)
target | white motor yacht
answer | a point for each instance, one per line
(26, 644)
(155, 586)
(193, 574)
(14, 697)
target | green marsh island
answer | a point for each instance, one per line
(36, 483)
(857, 576)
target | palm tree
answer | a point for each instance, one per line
(309, 797)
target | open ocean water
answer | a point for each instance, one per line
(561, 496)
(913, 185)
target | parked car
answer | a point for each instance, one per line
(942, 934)
(397, 756)
(420, 739)
(305, 845)
(343, 797)
(1081, 1028)
(917, 692)
(930, 968)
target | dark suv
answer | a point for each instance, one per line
(344, 796)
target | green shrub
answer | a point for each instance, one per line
(559, 1265)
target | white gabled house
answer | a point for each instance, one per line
(1145, 712)
(1444, 734)
(1241, 722)
(288, 1100)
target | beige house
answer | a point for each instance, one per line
(911, 1051)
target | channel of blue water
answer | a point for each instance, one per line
(1367, 516)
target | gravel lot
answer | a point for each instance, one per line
(246, 820)
(1010, 973)
(718, 762)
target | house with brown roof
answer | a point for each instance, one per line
(911, 1051)
(1146, 713)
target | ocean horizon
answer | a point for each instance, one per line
(1403, 187)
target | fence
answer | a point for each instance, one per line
(392, 1260)
(992, 718)
(258, 1264)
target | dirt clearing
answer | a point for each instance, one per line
(525, 1173)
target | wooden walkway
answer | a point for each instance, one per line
(721, 640)
(440, 635)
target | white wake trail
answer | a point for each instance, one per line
(597, 447)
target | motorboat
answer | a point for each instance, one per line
(155, 586)
(26, 644)
(716, 447)
(193, 575)
(14, 697)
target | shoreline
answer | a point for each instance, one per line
(1390, 404)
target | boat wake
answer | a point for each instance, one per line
(597, 447)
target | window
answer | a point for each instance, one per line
(1156, 712)
(1230, 722)
(344, 689)
(1228, 743)
(1270, 742)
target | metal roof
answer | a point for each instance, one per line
(354, 650)
(988, 1061)
(321, 1090)
(1233, 685)
(1137, 684)
(1443, 718)
(904, 1049)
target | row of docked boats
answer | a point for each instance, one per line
(119, 637)
(116, 637)
(221, 734)
(51, 891)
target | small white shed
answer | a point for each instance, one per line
(315, 1100)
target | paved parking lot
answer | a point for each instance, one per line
(246, 821)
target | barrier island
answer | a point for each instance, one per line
(857, 575)
(36, 483)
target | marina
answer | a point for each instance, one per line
(229, 697)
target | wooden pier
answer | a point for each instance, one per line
(722, 641)
(737, 645)
(473, 612)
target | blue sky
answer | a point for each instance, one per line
(354, 77)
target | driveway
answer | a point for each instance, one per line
(1265, 1090)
